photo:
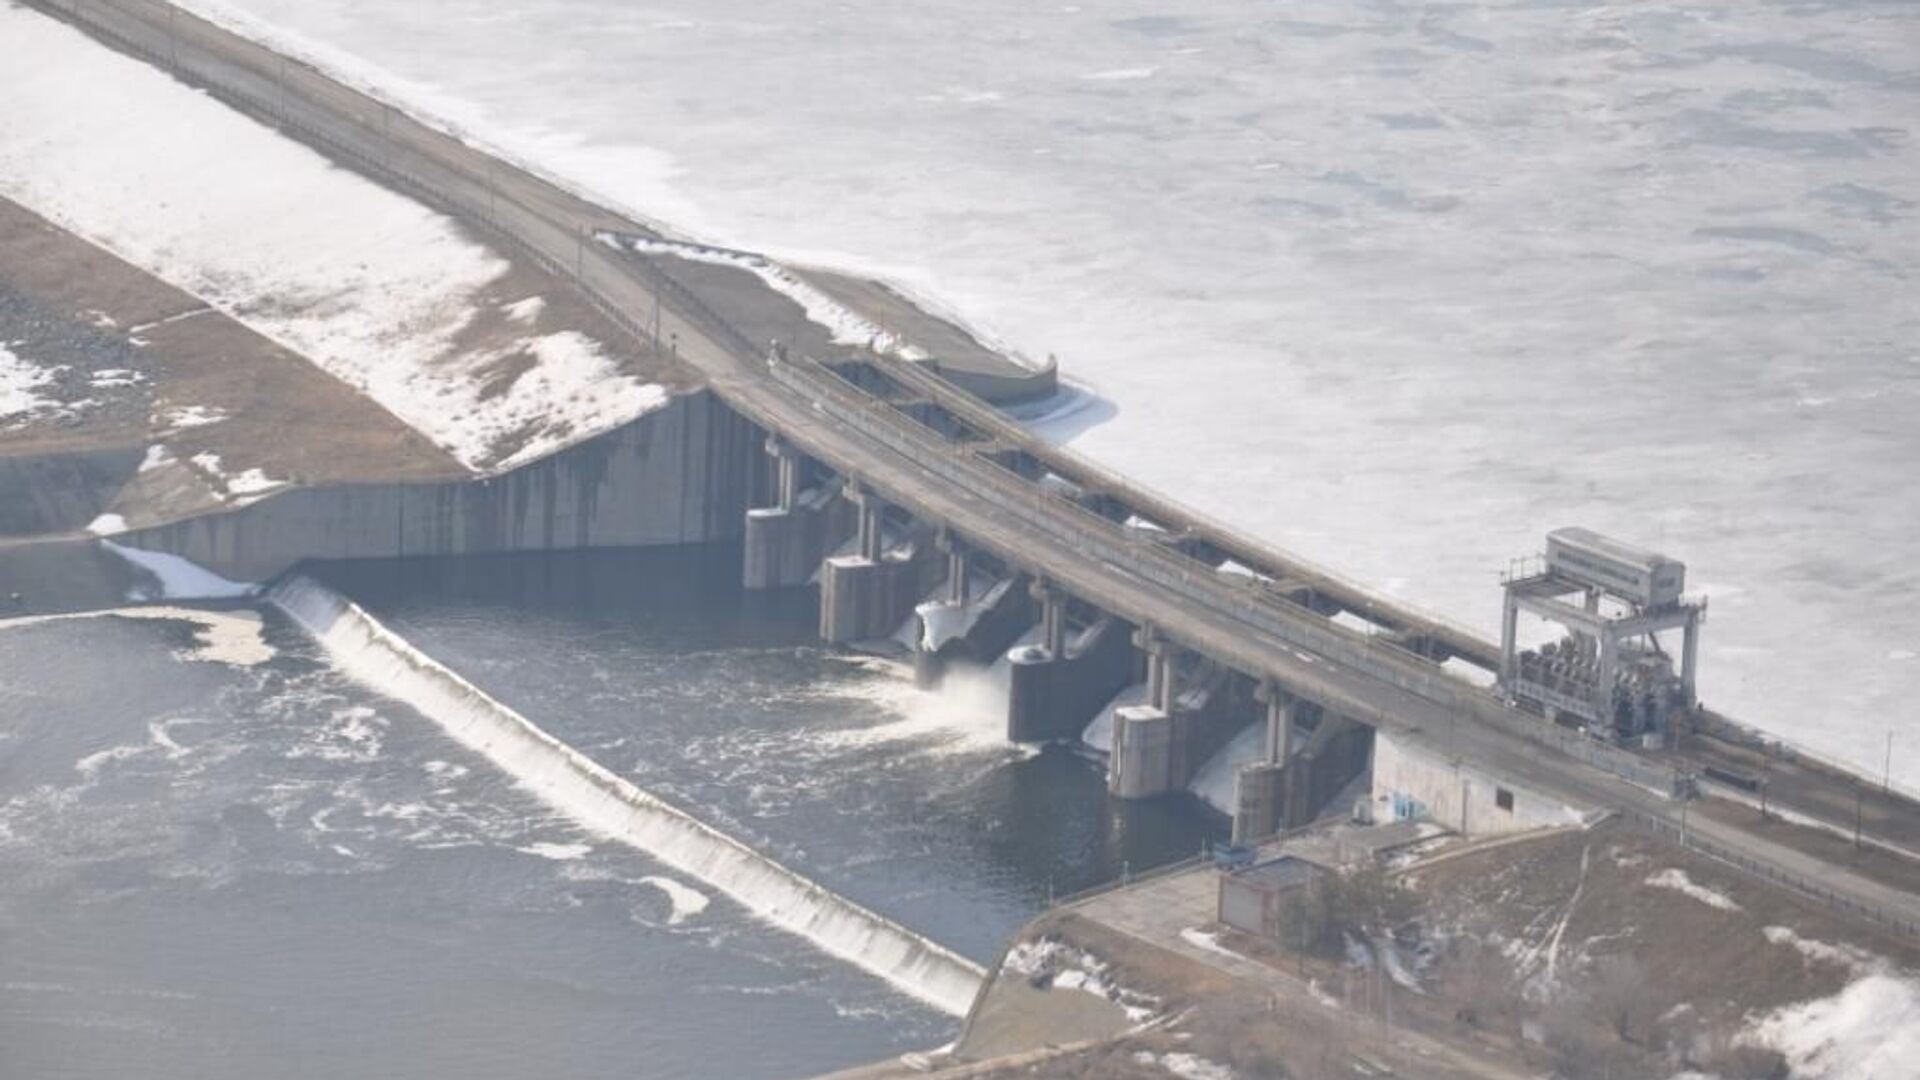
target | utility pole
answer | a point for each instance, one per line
(1886, 779)
(1686, 796)
(1859, 795)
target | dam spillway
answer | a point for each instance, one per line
(607, 804)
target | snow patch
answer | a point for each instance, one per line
(182, 417)
(370, 286)
(242, 487)
(847, 326)
(21, 381)
(177, 578)
(1676, 879)
(107, 378)
(158, 457)
(1184, 1065)
(525, 311)
(1868, 1031)
(1211, 942)
(107, 525)
(1064, 967)
(1859, 960)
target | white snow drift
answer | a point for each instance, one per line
(369, 285)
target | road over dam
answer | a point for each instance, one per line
(908, 455)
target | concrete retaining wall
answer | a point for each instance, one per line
(678, 475)
(1411, 781)
(61, 492)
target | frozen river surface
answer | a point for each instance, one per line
(1397, 285)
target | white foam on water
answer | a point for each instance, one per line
(557, 852)
(687, 901)
(605, 803)
(966, 714)
(227, 637)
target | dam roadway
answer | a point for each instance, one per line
(1268, 637)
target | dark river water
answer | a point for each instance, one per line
(215, 869)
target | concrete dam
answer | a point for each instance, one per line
(892, 480)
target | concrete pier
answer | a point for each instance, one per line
(865, 596)
(1260, 787)
(784, 543)
(1141, 762)
(1052, 696)
(1329, 759)
(1159, 746)
(864, 599)
(1258, 793)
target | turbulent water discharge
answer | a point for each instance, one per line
(589, 794)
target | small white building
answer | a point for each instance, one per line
(1413, 781)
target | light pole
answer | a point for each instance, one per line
(1859, 794)
(1886, 778)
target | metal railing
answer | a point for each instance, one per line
(1091, 534)
(1127, 880)
(1779, 748)
(1809, 888)
(1106, 480)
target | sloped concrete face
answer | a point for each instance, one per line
(675, 476)
(61, 492)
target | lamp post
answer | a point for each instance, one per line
(1886, 778)
(1859, 795)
